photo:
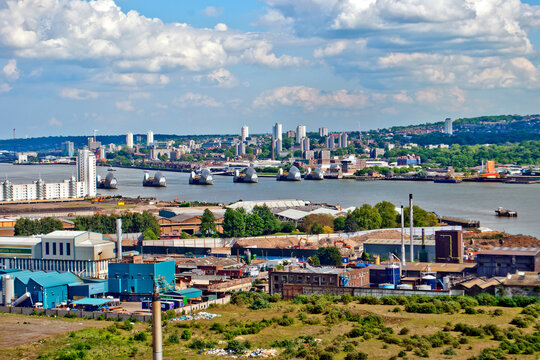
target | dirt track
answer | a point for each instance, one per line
(18, 330)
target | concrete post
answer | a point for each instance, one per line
(157, 342)
(119, 239)
(411, 220)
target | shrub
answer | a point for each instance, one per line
(449, 351)
(259, 303)
(326, 355)
(173, 339)
(199, 344)
(497, 312)
(404, 331)
(237, 347)
(186, 334)
(486, 299)
(356, 356)
(140, 336)
(520, 322)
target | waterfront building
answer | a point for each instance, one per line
(86, 171)
(343, 140)
(245, 133)
(149, 138)
(304, 144)
(68, 148)
(277, 136)
(323, 132)
(300, 133)
(501, 261)
(448, 126)
(409, 160)
(129, 140)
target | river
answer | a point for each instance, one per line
(465, 200)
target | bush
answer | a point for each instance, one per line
(356, 356)
(140, 336)
(486, 299)
(186, 334)
(259, 303)
(520, 322)
(449, 351)
(237, 347)
(497, 312)
(404, 331)
(199, 344)
(173, 339)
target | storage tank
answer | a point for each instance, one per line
(430, 280)
(8, 289)
(392, 274)
(405, 287)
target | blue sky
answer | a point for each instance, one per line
(188, 67)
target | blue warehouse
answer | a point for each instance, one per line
(130, 281)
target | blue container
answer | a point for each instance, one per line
(392, 274)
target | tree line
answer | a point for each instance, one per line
(106, 224)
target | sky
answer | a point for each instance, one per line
(68, 67)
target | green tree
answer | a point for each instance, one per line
(388, 213)
(351, 224)
(288, 226)
(321, 219)
(254, 225)
(208, 223)
(339, 223)
(367, 217)
(271, 224)
(422, 218)
(329, 256)
(316, 228)
(234, 223)
(148, 234)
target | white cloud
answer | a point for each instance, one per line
(222, 78)
(441, 96)
(196, 100)
(78, 94)
(134, 79)
(273, 19)
(10, 70)
(402, 97)
(125, 105)
(4, 88)
(99, 31)
(311, 98)
(54, 122)
(212, 11)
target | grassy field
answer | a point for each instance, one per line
(323, 336)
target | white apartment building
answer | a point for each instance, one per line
(129, 140)
(448, 128)
(149, 138)
(245, 133)
(86, 171)
(300, 133)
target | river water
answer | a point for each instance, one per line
(466, 200)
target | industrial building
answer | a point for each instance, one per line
(47, 289)
(449, 246)
(314, 276)
(134, 281)
(415, 273)
(82, 252)
(175, 222)
(501, 261)
(424, 250)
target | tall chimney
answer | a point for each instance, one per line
(119, 239)
(411, 220)
(157, 340)
(403, 260)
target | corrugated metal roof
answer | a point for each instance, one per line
(50, 280)
(510, 251)
(93, 301)
(416, 242)
(64, 234)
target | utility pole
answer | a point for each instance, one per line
(157, 340)
(411, 220)
(403, 260)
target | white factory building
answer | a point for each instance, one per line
(82, 252)
(85, 185)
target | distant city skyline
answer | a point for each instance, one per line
(68, 67)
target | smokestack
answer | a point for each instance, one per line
(403, 260)
(156, 325)
(119, 239)
(411, 220)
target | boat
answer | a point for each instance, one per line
(292, 175)
(203, 177)
(157, 181)
(450, 180)
(109, 182)
(317, 174)
(249, 176)
(505, 212)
